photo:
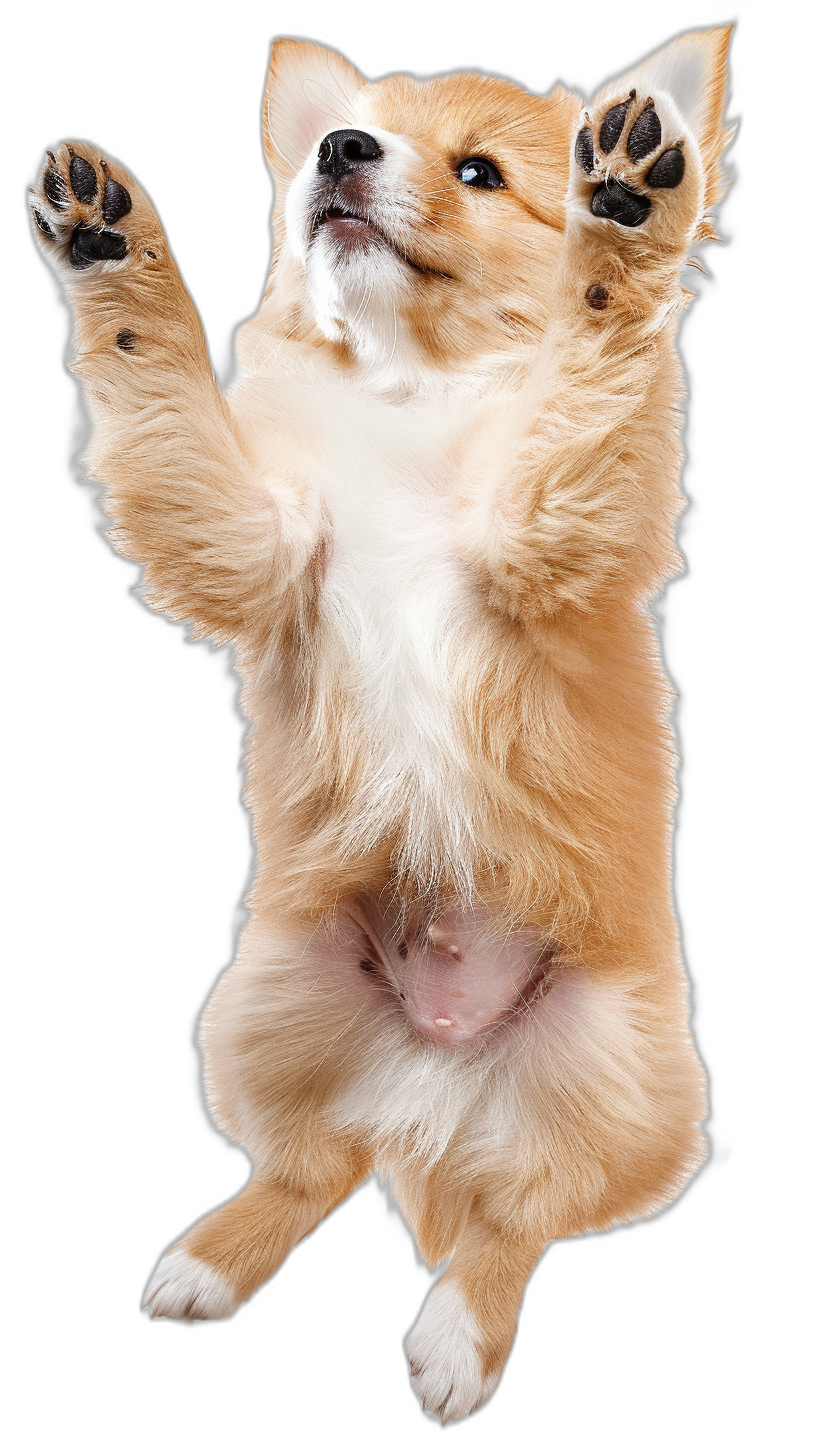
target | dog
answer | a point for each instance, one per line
(429, 516)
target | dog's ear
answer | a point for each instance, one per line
(309, 90)
(693, 70)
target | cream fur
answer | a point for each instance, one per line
(430, 516)
(186, 1288)
(443, 1353)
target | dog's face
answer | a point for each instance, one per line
(423, 221)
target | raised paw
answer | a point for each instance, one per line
(182, 1287)
(443, 1353)
(83, 209)
(629, 153)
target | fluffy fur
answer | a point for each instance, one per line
(430, 516)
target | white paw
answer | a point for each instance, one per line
(182, 1287)
(443, 1353)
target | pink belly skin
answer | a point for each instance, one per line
(457, 977)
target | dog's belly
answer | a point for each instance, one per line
(456, 975)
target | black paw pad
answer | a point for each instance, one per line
(612, 124)
(584, 150)
(83, 179)
(668, 170)
(645, 135)
(55, 190)
(126, 341)
(116, 201)
(43, 225)
(93, 245)
(613, 200)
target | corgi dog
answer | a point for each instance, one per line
(430, 516)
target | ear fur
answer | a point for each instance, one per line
(693, 70)
(309, 90)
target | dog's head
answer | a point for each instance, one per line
(424, 219)
(418, 224)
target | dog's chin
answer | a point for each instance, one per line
(341, 239)
(355, 282)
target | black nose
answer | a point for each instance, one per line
(346, 151)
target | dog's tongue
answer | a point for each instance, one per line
(460, 980)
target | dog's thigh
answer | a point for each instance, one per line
(591, 1119)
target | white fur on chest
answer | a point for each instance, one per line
(396, 605)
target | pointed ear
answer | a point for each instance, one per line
(693, 70)
(309, 91)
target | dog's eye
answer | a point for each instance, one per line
(478, 172)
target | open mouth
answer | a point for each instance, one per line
(346, 222)
(350, 224)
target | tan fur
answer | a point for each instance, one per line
(247, 1239)
(538, 438)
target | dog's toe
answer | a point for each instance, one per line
(444, 1358)
(182, 1287)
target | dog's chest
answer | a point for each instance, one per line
(396, 606)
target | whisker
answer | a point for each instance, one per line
(393, 350)
(461, 242)
(364, 305)
(266, 331)
(312, 85)
(274, 354)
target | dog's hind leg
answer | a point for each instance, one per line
(459, 1344)
(282, 1035)
(225, 1257)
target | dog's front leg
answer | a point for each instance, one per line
(580, 495)
(185, 498)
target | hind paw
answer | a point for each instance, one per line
(444, 1357)
(182, 1287)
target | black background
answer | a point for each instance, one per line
(137, 848)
